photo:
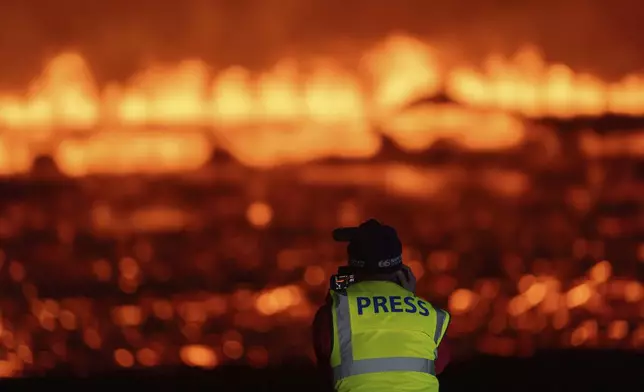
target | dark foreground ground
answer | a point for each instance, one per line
(549, 371)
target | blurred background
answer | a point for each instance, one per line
(171, 172)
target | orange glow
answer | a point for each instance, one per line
(198, 356)
(127, 315)
(489, 289)
(259, 214)
(640, 252)
(348, 214)
(129, 268)
(117, 152)
(638, 336)
(403, 68)
(288, 260)
(518, 305)
(314, 275)
(278, 300)
(633, 292)
(17, 271)
(146, 281)
(92, 338)
(618, 329)
(526, 84)
(601, 272)
(102, 269)
(9, 368)
(417, 268)
(525, 283)
(216, 305)
(461, 301)
(233, 349)
(147, 357)
(579, 336)
(586, 331)
(536, 293)
(243, 299)
(578, 295)
(123, 357)
(67, 320)
(193, 312)
(25, 354)
(293, 112)
(441, 261)
(162, 309)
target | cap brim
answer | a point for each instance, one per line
(344, 234)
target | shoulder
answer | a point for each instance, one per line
(443, 317)
(443, 313)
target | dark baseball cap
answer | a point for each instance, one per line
(372, 246)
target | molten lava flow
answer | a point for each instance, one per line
(118, 152)
(292, 113)
(527, 85)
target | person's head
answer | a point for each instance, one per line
(375, 253)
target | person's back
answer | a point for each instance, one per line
(389, 340)
(384, 337)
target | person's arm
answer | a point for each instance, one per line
(444, 356)
(444, 352)
(323, 341)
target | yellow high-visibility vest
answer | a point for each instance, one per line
(385, 339)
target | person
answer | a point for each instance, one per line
(373, 333)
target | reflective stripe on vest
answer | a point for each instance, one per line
(349, 367)
(440, 322)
